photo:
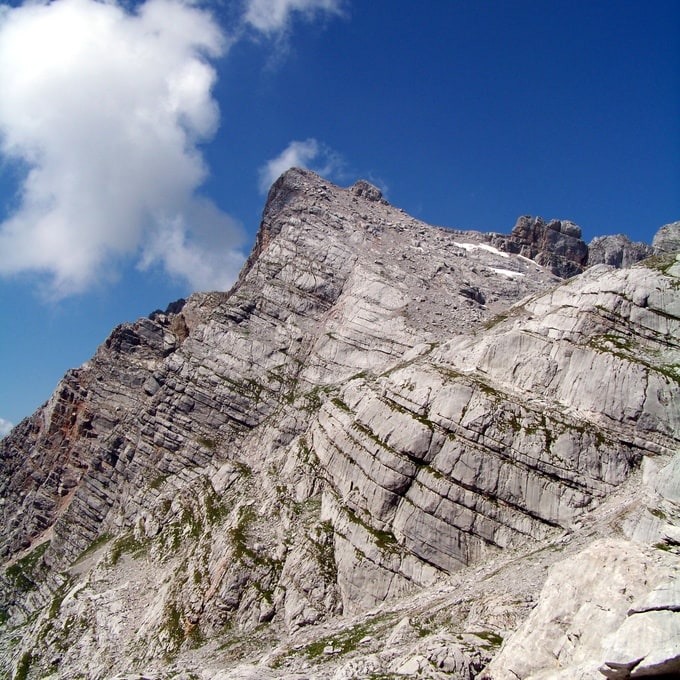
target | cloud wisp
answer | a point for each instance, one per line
(103, 110)
(274, 16)
(5, 427)
(309, 154)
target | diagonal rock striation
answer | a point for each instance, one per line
(254, 481)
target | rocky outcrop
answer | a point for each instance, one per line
(352, 462)
(667, 239)
(556, 245)
(468, 447)
(617, 251)
(49, 457)
(611, 611)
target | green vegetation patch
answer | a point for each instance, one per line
(244, 470)
(624, 349)
(306, 454)
(215, 509)
(98, 542)
(493, 640)
(325, 552)
(195, 636)
(660, 514)
(395, 406)
(23, 666)
(158, 482)
(346, 641)
(495, 320)
(667, 546)
(239, 533)
(336, 401)
(174, 624)
(314, 399)
(207, 443)
(661, 263)
(384, 540)
(191, 522)
(126, 544)
(22, 573)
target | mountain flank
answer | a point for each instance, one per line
(391, 450)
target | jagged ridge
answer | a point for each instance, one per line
(364, 413)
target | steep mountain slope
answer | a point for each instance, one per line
(316, 467)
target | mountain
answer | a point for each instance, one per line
(391, 450)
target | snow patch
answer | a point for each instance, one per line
(529, 260)
(480, 246)
(506, 272)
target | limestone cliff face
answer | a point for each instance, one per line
(617, 251)
(375, 409)
(556, 245)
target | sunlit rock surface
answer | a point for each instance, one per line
(363, 460)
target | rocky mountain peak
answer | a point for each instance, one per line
(556, 244)
(367, 190)
(667, 239)
(366, 459)
(617, 251)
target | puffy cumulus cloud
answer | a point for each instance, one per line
(183, 252)
(102, 109)
(309, 154)
(273, 16)
(5, 427)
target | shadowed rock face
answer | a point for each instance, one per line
(375, 407)
(556, 245)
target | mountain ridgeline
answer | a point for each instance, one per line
(391, 450)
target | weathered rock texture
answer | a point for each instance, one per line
(361, 460)
(556, 245)
(617, 251)
(667, 239)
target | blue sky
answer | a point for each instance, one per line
(137, 139)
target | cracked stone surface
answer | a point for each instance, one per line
(390, 449)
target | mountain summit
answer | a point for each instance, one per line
(391, 450)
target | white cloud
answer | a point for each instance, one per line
(300, 154)
(5, 427)
(104, 109)
(183, 254)
(273, 16)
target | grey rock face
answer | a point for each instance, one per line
(617, 251)
(446, 451)
(583, 628)
(556, 245)
(368, 428)
(667, 239)
(368, 191)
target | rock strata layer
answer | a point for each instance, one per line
(333, 469)
(556, 245)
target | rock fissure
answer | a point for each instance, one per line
(363, 427)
